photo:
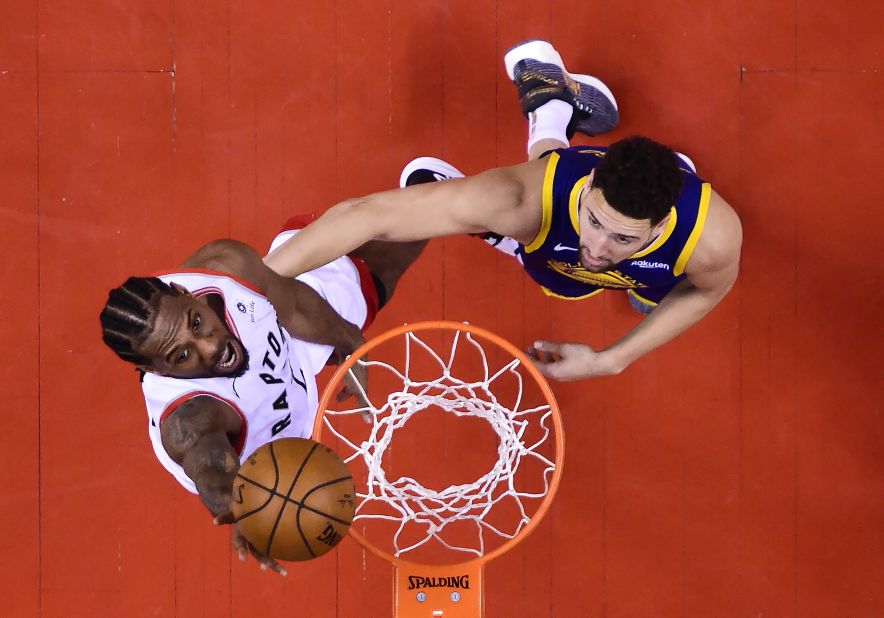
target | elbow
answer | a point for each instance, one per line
(361, 219)
(349, 208)
(344, 206)
(349, 213)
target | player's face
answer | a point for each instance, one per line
(190, 340)
(608, 237)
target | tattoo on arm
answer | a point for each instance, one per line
(187, 424)
(205, 457)
(195, 436)
(212, 465)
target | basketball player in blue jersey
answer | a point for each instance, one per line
(229, 351)
(633, 216)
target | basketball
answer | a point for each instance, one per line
(293, 499)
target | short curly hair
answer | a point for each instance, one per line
(639, 178)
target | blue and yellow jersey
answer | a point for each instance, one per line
(552, 257)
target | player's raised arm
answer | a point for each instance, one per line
(491, 201)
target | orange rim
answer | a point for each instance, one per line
(337, 379)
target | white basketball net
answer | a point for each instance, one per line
(407, 501)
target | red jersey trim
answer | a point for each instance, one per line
(241, 440)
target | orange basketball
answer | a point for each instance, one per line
(293, 499)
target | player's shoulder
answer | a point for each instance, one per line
(569, 165)
(228, 256)
(184, 426)
(722, 237)
(220, 254)
(528, 172)
(581, 156)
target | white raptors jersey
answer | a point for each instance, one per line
(275, 397)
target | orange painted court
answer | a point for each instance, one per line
(736, 472)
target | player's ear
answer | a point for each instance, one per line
(180, 288)
(658, 229)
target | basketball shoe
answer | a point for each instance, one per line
(430, 169)
(427, 169)
(537, 70)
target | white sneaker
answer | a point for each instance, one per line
(427, 169)
(538, 72)
(430, 169)
(687, 161)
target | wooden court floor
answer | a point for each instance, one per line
(736, 472)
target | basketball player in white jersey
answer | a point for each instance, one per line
(229, 352)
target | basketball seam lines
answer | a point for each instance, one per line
(275, 486)
(303, 504)
(287, 498)
(275, 494)
(271, 494)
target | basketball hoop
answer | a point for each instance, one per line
(464, 382)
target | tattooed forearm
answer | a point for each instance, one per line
(212, 466)
(179, 436)
(186, 426)
(221, 459)
(197, 435)
(216, 496)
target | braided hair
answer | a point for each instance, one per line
(639, 178)
(128, 316)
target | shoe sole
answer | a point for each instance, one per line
(599, 85)
(688, 161)
(537, 49)
(428, 163)
(543, 51)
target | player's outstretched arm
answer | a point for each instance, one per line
(195, 435)
(492, 201)
(710, 274)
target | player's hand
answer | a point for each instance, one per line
(356, 385)
(244, 548)
(570, 361)
(356, 379)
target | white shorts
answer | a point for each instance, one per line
(339, 283)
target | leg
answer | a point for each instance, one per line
(388, 261)
(555, 102)
(547, 128)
